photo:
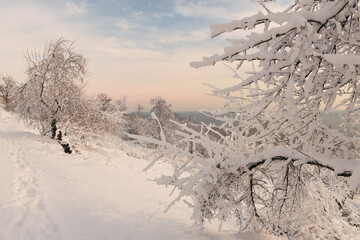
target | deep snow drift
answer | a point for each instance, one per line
(99, 194)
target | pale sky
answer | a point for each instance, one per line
(135, 48)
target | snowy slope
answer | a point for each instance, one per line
(47, 194)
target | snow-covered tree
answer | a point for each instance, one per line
(104, 114)
(8, 90)
(53, 101)
(53, 89)
(104, 102)
(157, 126)
(161, 112)
(277, 167)
(161, 108)
(121, 103)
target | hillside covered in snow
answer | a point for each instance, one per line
(100, 193)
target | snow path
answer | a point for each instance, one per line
(24, 201)
(47, 194)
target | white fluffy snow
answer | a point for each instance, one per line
(98, 194)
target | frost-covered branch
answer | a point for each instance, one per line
(275, 164)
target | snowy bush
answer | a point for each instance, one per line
(8, 92)
(135, 123)
(158, 126)
(278, 168)
(92, 120)
(162, 115)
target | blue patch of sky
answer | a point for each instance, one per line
(149, 23)
(143, 22)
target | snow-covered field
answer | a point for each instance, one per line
(98, 194)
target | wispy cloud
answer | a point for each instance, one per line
(222, 9)
(161, 15)
(199, 9)
(73, 8)
(124, 25)
(192, 37)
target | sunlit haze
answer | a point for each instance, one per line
(135, 48)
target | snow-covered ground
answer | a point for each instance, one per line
(98, 194)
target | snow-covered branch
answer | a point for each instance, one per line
(274, 154)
